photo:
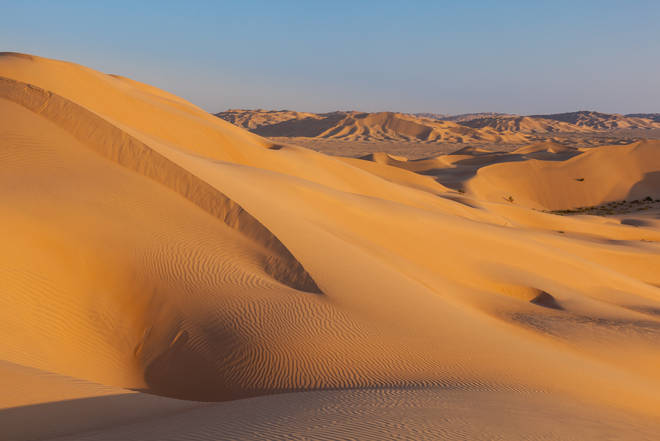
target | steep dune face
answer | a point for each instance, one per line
(156, 247)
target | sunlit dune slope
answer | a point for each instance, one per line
(153, 246)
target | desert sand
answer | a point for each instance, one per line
(168, 275)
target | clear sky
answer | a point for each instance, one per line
(409, 56)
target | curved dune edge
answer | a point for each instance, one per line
(118, 146)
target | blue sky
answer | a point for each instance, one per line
(409, 56)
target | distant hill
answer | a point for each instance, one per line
(441, 116)
(602, 121)
(485, 127)
(464, 117)
(360, 126)
(652, 116)
(524, 124)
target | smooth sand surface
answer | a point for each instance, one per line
(168, 275)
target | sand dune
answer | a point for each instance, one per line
(545, 175)
(78, 410)
(652, 116)
(357, 126)
(602, 121)
(159, 256)
(604, 174)
(524, 124)
(461, 117)
(475, 128)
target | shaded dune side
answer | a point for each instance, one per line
(118, 146)
(64, 405)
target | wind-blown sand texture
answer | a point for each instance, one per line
(167, 275)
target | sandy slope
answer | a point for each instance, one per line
(155, 247)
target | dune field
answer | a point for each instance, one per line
(476, 129)
(166, 275)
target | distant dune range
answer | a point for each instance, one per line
(652, 116)
(165, 274)
(468, 128)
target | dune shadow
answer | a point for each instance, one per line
(169, 374)
(547, 301)
(65, 417)
(648, 186)
(636, 222)
(466, 169)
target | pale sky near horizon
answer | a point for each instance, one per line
(409, 56)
